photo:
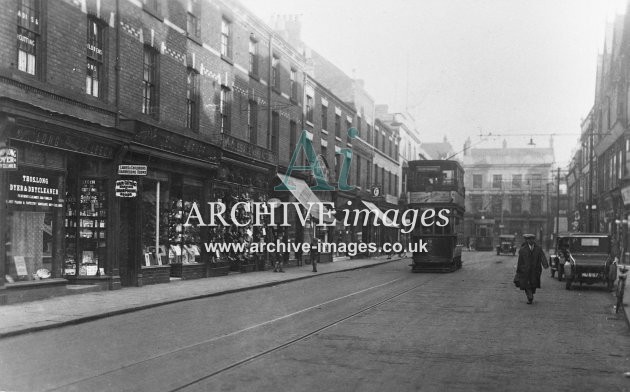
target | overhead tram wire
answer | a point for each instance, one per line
(485, 137)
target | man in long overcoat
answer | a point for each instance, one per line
(531, 260)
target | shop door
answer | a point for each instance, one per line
(128, 245)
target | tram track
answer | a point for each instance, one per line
(261, 354)
(77, 384)
(298, 339)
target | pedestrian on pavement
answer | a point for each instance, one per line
(314, 253)
(287, 250)
(278, 256)
(531, 260)
(298, 255)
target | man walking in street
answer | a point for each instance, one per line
(531, 261)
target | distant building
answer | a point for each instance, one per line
(507, 191)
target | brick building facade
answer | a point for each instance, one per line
(598, 175)
(175, 103)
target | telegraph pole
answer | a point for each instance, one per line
(547, 228)
(558, 204)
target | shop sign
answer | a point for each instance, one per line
(73, 143)
(33, 189)
(132, 170)
(172, 142)
(126, 188)
(8, 158)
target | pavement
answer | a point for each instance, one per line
(27, 317)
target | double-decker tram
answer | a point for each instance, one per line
(436, 191)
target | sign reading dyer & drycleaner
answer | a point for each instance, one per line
(33, 189)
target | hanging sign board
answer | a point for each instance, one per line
(132, 170)
(8, 158)
(126, 188)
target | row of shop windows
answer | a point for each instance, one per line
(84, 222)
(59, 219)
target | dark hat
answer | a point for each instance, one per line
(526, 236)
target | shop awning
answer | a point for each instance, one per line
(380, 214)
(306, 197)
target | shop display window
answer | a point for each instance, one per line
(230, 195)
(31, 204)
(29, 246)
(86, 224)
(184, 242)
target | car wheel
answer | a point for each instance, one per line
(568, 285)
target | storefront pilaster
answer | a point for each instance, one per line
(113, 255)
(3, 213)
(3, 250)
(136, 243)
(58, 246)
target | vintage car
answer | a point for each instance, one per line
(506, 245)
(587, 258)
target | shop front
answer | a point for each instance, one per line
(55, 205)
(169, 175)
(168, 248)
(346, 205)
(33, 230)
(318, 223)
(238, 188)
(87, 258)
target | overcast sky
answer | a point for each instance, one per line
(465, 67)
